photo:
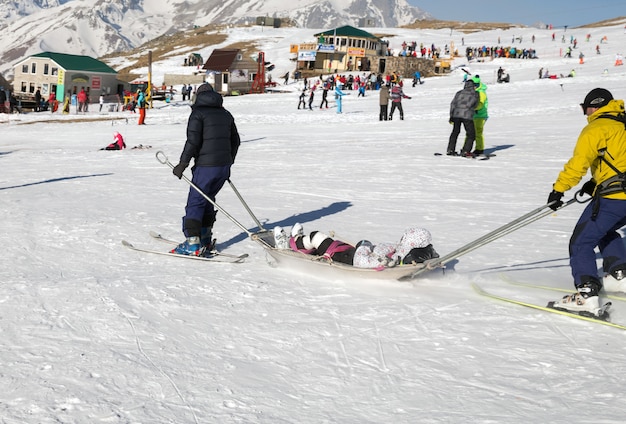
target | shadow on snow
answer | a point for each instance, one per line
(302, 218)
(54, 180)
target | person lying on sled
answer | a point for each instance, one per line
(415, 246)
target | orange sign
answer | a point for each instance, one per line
(353, 51)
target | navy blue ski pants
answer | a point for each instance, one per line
(600, 232)
(209, 179)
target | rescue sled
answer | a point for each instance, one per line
(325, 268)
(301, 262)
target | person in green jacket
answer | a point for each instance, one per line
(480, 114)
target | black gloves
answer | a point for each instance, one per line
(179, 169)
(588, 187)
(555, 196)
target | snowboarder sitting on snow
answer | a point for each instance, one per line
(414, 247)
(118, 142)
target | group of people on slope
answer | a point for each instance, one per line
(306, 101)
(394, 93)
(391, 89)
(469, 109)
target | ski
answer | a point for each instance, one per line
(508, 280)
(216, 257)
(484, 156)
(601, 319)
(213, 252)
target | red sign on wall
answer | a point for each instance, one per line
(95, 83)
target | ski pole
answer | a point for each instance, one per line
(245, 205)
(161, 157)
(512, 226)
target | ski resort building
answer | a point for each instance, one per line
(348, 49)
(229, 72)
(63, 75)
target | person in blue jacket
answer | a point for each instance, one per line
(338, 95)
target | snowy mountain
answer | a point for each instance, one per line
(98, 27)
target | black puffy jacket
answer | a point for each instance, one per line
(464, 102)
(212, 137)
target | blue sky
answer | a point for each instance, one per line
(527, 12)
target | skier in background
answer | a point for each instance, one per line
(338, 95)
(301, 101)
(383, 102)
(480, 115)
(141, 103)
(396, 100)
(325, 89)
(461, 113)
(312, 95)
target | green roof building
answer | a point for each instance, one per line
(65, 74)
(341, 49)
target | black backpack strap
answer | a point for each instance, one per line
(615, 184)
(620, 117)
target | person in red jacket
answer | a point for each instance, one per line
(396, 100)
(82, 100)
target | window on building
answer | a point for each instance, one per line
(45, 69)
(23, 90)
(55, 71)
(31, 88)
(33, 68)
(24, 69)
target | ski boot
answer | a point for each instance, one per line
(615, 281)
(585, 302)
(281, 239)
(297, 230)
(190, 247)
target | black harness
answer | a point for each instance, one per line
(616, 183)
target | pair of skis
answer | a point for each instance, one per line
(482, 156)
(211, 256)
(602, 316)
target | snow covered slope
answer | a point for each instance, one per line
(91, 332)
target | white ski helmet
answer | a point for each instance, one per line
(413, 238)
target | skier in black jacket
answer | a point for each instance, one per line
(461, 113)
(212, 142)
